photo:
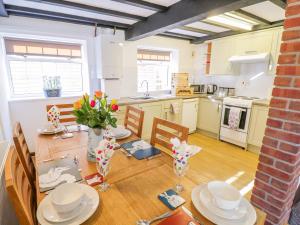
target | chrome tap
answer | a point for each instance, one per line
(146, 94)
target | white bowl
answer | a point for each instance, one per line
(226, 196)
(66, 197)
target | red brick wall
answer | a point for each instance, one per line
(279, 162)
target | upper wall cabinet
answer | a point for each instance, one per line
(265, 41)
(109, 56)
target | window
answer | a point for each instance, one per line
(155, 67)
(29, 61)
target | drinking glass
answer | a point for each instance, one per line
(103, 170)
(180, 168)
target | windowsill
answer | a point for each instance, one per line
(42, 98)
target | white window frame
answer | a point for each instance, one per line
(84, 63)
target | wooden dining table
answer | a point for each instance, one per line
(134, 184)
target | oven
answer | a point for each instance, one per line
(244, 120)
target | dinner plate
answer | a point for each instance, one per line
(120, 132)
(248, 219)
(54, 131)
(86, 213)
(208, 200)
(50, 213)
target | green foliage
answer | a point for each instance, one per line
(99, 116)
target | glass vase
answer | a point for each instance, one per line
(95, 135)
(180, 168)
(103, 170)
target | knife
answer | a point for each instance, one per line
(188, 212)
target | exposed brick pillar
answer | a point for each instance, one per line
(279, 162)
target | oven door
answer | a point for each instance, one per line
(244, 120)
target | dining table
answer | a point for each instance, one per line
(134, 184)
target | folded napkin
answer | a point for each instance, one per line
(141, 145)
(53, 116)
(234, 118)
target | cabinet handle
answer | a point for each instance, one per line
(249, 52)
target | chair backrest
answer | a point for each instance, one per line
(24, 153)
(163, 131)
(66, 113)
(134, 119)
(19, 189)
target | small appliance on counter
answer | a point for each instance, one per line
(211, 89)
(199, 88)
(226, 91)
(180, 85)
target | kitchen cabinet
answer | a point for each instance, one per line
(169, 115)
(120, 115)
(209, 115)
(151, 110)
(189, 114)
(258, 120)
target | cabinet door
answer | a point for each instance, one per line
(189, 114)
(221, 51)
(170, 116)
(151, 110)
(209, 115)
(120, 115)
(258, 122)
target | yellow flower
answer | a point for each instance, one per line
(114, 102)
(77, 105)
(98, 94)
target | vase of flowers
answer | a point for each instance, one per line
(96, 112)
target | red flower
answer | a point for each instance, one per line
(114, 107)
(93, 103)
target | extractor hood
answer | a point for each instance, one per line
(251, 58)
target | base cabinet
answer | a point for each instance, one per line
(258, 121)
(209, 115)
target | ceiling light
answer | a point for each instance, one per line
(233, 22)
(241, 18)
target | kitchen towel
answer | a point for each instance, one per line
(174, 108)
(234, 118)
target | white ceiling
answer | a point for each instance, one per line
(163, 2)
(187, 32)
(208, 27)
(267, 10)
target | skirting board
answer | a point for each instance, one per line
(208, 133)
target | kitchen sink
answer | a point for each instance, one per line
(142, 97)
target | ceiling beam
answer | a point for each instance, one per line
(182, 13)
(251, 16)
(143, 4)
(230, 33)
(177, 36)
(196, 30)
(2, 9)
(91, 9)
(55, 16)
(280, 3)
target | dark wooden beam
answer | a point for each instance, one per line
(280, 3)
(174, 36)
(182, 13)
(251, 16)
(231, 33)
(92, 9)
(2, 9)
(196, 30)
(42, 14)
(144, 5)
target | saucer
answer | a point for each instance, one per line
(92, 200)
(52, 215)
(207, 199)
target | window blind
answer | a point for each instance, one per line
(41, 48)
(153, 55)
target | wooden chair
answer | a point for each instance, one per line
(24, 154)
(19, 189)
(66, 113)
(163, 131)
(134, 119)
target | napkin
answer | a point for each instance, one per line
(183, 151)
(179, 218)
(105, 151)
(53, 116)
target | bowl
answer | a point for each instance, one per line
(66, 197)
(226, 196)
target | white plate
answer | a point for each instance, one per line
(248, 219)
(54, 131)
(52, 215)
(87, 212)
(121, 132)
(208, 200)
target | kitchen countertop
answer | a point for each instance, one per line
(130, 101)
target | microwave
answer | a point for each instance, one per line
(199, 88)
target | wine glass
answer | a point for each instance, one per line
(180, 168)
(103, 170)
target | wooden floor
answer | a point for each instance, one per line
(223, 161)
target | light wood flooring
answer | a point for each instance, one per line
(223, 161)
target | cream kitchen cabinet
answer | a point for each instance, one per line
(258, 120)
(120, 115)
(168, 114)
(222, 50)
(209, 115)
(189, 114)
(151, 110)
